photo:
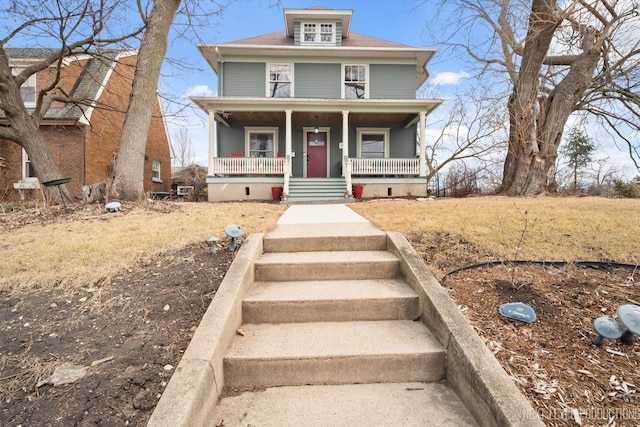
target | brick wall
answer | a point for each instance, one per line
(103, 137)
(96, 143)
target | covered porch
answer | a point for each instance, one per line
(367, 141)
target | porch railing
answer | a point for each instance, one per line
(248, 165)
(361, 166)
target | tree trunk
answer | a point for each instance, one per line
(25, 131)
(129, 167)
(536, 122)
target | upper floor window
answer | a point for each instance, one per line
(280, 80)
(318, 33)
(355, 82)
(262, 141)
(28, 88)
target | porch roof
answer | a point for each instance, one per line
(316, 109)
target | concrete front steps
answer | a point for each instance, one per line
(305, 346)
(316, 190)
(333, 337)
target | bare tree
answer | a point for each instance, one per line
(474, 129)
(74, 27)
(128, 182)
(182, 148)
(558, 58)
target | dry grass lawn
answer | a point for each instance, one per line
(541, 229)
(545, 228)
(96, 244)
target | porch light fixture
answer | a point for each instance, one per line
(316, 130)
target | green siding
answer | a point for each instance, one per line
(392, 81)
(402, 143)
(317, 80)
(338, 33)
(244, 79)
(296, 33)
(230, 139)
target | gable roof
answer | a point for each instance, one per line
(89, 85)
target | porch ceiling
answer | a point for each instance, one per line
(319, 118)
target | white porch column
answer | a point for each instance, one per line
(346, 161)
(213, 141)
(423, 143)
(288, 133)
(345, 139)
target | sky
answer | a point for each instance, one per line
(400, 21)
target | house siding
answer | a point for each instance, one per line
(390, 81)
(244, 79)
(317, 80)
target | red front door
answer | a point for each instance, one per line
(317, 155)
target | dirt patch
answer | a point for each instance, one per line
(143, 318)
(568, 380)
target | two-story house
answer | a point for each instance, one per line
(317, 111)
(83, 137)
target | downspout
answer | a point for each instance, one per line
(83, 165)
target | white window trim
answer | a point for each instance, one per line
(318, 33)
(31, 81)
(268, 88)
(342, 76)
(384, 131)
(248, 130)
(159, 170)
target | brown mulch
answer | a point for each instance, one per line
(138, 324)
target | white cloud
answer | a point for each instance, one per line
(200, 90)
(447, 78)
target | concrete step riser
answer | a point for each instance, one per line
(283, 272)
(310, 244)
(427, 367)
(330, 310)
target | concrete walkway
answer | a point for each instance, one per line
(342, 324)
(320, 214)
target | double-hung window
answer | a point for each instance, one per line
(28, 88)
(280, 81)
(373, 143)
(27, 167)
(262, 142)
(155, 168)
(355, 81)
(317, 32)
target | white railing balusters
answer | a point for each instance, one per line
(248, 165)
(363, 166)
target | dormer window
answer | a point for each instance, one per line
(317, 32)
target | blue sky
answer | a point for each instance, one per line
(400, 21)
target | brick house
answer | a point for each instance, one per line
(83, 138)
(316, 111)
